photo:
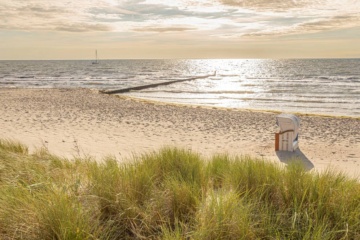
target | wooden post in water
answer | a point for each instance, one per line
(124, 90)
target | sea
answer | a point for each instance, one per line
(315, 86)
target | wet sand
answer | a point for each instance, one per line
(82, 122)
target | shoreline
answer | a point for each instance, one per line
(79, 122)
(146, 100)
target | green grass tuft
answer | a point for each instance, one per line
(171, 194)
(12, 147)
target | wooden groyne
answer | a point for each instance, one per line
(124, 90)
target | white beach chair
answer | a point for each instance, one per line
(288, 137)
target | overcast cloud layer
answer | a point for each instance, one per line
(122, 29)
(218, 18)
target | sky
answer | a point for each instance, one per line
(151, 29)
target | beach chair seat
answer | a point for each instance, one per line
(287, 139)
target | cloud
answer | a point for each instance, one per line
(82, 27)
(41, 15)
(312, 26)
(341, 21)
(36, 9)
(285, 17)
(278, 5)
(163, 29)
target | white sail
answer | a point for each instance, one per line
(96, 58)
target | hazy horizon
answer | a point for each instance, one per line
(125, 59)
(182, 29)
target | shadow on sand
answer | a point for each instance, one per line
(289, 157)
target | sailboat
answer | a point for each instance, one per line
(96, 58)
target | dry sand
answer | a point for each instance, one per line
(73, 122)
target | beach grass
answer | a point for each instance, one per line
(171, 194)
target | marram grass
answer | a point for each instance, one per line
(171, 194)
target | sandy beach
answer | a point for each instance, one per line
(80, 122)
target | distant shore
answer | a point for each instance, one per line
(78, 122)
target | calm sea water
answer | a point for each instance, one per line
(323, 86)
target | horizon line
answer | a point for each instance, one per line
(110, 59)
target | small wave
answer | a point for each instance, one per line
(172, 97)
(291, 100)
(228, 75)
(150, 71)
(195, 92)
(352, 78)
(22, 77)
(249, 85)
(94, 83)
(109, 72)
(144, 74)
(7, 83)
